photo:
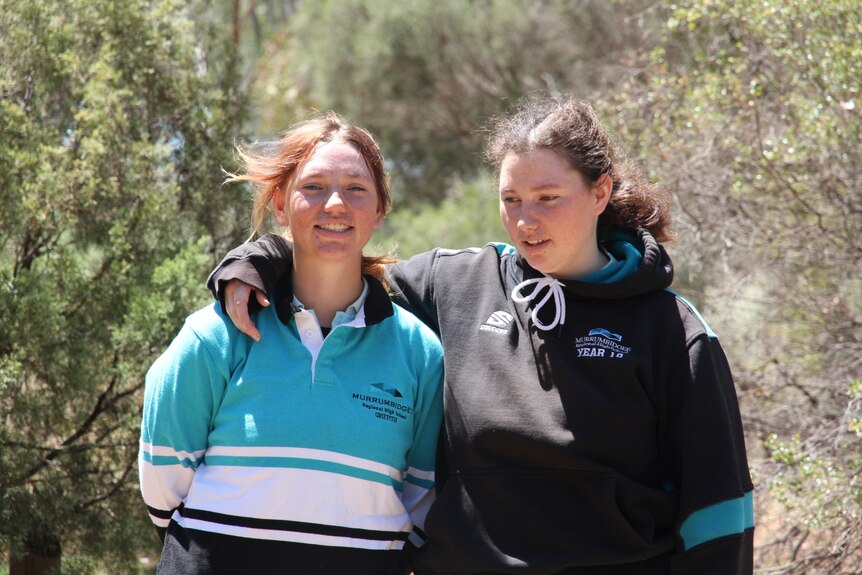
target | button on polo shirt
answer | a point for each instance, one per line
(308, 326)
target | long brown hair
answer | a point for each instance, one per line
(272, 166)
(571, 128)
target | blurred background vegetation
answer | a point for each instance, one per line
(117, 118)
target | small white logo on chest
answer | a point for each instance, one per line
(498, 322)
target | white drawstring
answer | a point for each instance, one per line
(555, 288)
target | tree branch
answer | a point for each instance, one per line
(102, 403)
(113, 491)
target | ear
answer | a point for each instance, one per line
(379, 218)
(380, 214)
(279, 202)
(602, 191)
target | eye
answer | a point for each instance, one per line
(357, 188)
(311, 187)
(548, 198)
(511, 200)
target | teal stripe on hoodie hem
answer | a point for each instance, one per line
(731, 517)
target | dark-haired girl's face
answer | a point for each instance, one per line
(550, 213)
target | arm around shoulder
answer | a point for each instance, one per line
(260, 264)
(412, 287)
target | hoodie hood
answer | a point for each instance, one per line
(642, 266)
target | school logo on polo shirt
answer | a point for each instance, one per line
(389, 406)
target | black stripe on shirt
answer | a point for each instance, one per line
(161, 514)
(296, 526)
(196, 551)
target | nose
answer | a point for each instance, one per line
(334, 202)
(526, 218)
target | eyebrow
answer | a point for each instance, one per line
(540, 188)
(546, 186)
(353, 174)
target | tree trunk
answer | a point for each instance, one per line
(40, 556)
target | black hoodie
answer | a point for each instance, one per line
(609, 444)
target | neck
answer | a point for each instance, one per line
(599, 260)
(591, 264)
(327, 289)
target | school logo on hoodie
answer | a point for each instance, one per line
(600, 342)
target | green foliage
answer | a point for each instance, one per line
(115, 123)
(424, 76)
(116, 118)
(855, 408)
(750, 114)
(822, 490)
(468, 217)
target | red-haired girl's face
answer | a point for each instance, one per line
(331, 205)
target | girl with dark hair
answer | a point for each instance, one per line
(302, 452)
(591, 424)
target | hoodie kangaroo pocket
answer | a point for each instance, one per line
(483, 521)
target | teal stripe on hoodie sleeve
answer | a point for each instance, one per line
(711, 334)
(729, 517)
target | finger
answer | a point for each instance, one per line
(231, 299)
(261, 298)
(245, 324)
(235, 303)
(238, 295)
